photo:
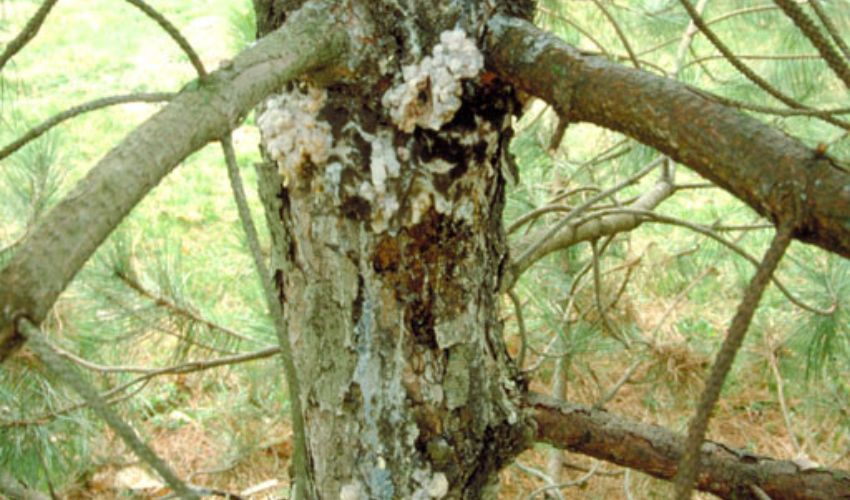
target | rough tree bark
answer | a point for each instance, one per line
(388, 256)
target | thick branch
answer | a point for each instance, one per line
(742, 155)
(204, 111)
(656, 451)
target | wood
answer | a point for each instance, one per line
(725, 472)
(747, 158)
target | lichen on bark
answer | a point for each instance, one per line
(389, 258)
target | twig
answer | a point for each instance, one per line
(173, 32)
(687, 40)
(575, 25)
(155, 325)
(168, 303)
(528, 252)
(149, 373)
(620, 34)
(41, 128)
(28, 33)
(707, 231)
(723, 17)
(668, 171)
(597, 295)
(833, 59)
(612, 392)
(523, 334)
(629, 266)
(819, 113)
(689, 464)
(68, 374)
(780, 394)
(743, 227)
(759, 493)
(88, 365)
(679, 298)
(830, 27)
(746, 70)
(591, 226)
(578, 482)
(758, 57)
(840, 458)
(560, 378)
(300, 457)
(535, 214)
(604, 473)
(544, 354)
(531, 471)
(572, 192)
(627, 490)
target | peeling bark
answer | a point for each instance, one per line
(751, 160)
(388, 248)
(724, 471)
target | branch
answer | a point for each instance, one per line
(690, 464)
(543, 242)
(833, 59)
(746, 70)
(147, 374)
(41, 128)
(204, 111)
(178, 310)
(830, 27)
(299, 456)
(173, 32)
(28, 33)
(67, 374)
(654, 450)
(749, 159)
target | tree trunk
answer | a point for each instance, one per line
(388, 249)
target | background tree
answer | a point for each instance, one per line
(387, 248)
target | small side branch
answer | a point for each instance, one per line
(833, 59)
(28, 33)
(299, 459)
(746, 70)
(534, 251)
(173, 32)
(559, 236)
(111, 396)
(690, 464)
(830, 27)
(40, 129)
(67, 374)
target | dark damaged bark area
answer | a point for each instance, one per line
(388, 248)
